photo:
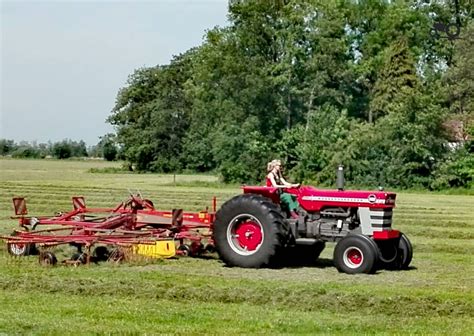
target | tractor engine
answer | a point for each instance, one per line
(330, 224)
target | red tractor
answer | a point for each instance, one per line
(254, 230)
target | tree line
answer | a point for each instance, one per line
(106, 148)
(366, 84)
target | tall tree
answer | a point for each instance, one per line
(397, 78)
(459, 83)
(152, 115)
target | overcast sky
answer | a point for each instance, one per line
(62, 62)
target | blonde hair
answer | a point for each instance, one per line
(272, 164)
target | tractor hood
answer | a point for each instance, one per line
(312, 199)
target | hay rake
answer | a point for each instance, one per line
(100, 234)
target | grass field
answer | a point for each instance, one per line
(201, 296)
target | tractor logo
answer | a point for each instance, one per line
(372, 198)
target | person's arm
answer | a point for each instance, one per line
(289, 185)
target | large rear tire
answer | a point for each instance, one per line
(356, 254)
(249, 231)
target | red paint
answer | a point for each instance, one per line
(269, 192)
(344, 198)
(19, 203)
(78, 202)
(387, 234)
(249, 235)
(354, 256)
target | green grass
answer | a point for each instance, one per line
(201, 296)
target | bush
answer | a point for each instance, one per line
(458, 172)
(109, 151)
(26, 152)
(62, 150)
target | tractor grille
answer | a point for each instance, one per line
(381, 219)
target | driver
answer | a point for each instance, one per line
(276, 180)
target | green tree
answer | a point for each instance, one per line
(78, 149)
(62, 150)
(151, 115)
(242, 152)
(374, 27)
(110, 151)
(322, 144)
(458, 82)
(26, 151)
(315, 83)
(458, 92)
(106, 147)
(397, 78)
(272, 65)
(7, 146)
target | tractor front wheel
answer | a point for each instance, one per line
(249, 231)
(406, 252)
(395, 254)
(356, 254)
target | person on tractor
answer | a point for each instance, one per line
(276, 180)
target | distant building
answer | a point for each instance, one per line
(457, 133)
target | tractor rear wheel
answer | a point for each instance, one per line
(249, 231)
(356, 254)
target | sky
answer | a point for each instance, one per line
(63, 62)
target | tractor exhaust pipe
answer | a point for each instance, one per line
(340, 177)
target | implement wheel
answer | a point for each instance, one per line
(20, 250)
(101, 253)
(249, 231)
(47, 259)
(356, 254)
(184, 250)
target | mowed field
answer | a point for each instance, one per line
(202, 296)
